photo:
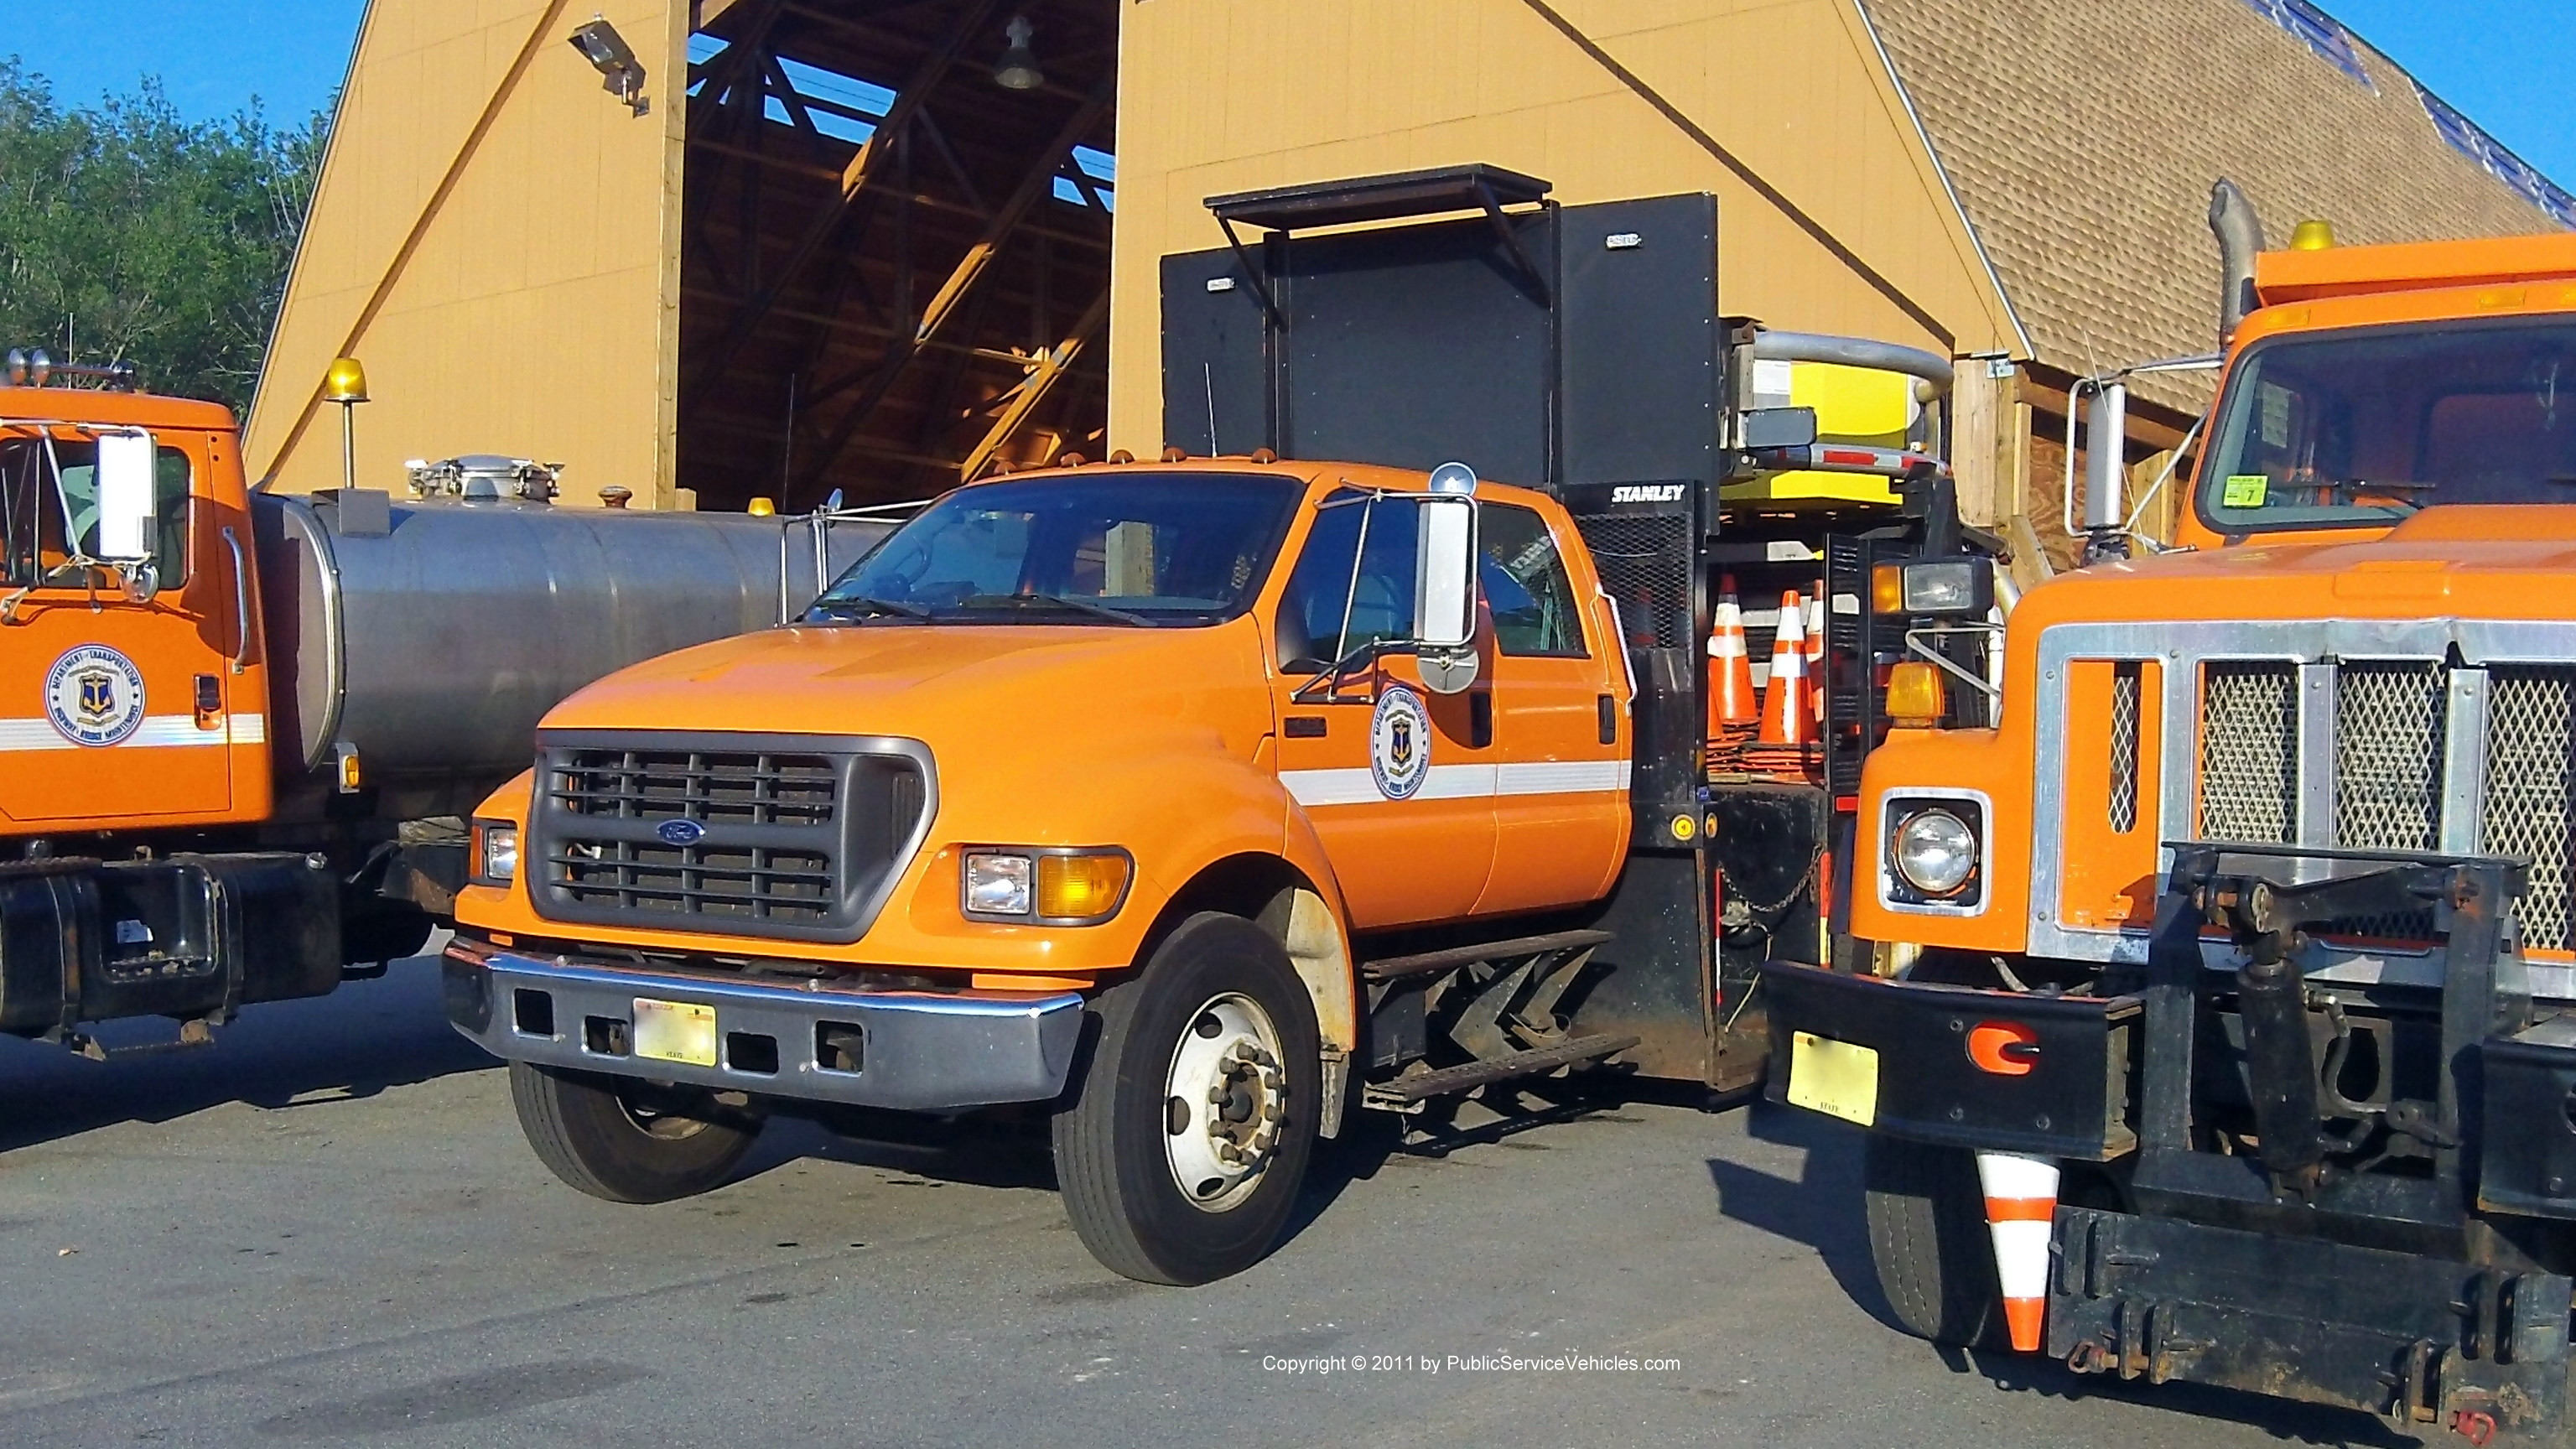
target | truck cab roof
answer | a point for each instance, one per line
(119, 409)
(2340, 271)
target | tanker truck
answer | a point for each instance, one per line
(240, 723)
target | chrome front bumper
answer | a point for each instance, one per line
(911, 1050)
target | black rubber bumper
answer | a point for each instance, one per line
(2064, 1091)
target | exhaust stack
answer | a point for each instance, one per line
(2240, 236)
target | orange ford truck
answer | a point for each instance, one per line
(240, 728)
(1079, 787)
(1195, 804)
(2234, 965)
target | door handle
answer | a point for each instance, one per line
(241, 601)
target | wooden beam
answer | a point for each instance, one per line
(1033, 389)
(853, 180)
(863, 329)
(1037, 181)
(821, 172)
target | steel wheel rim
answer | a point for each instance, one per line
(1224, 1102)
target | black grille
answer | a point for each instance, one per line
(1645, 564)
(657, 831)
(754, 788)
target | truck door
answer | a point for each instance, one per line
(1560, 756)
(119, 710)
(1397, 780)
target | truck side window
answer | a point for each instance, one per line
(39, 512)
(1525, 585)
(1381, 600)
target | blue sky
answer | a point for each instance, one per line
(2504, 62)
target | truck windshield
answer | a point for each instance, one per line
(2365, 427)
(49, 511)
(1125, 549)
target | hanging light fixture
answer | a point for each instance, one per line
(1017, 70)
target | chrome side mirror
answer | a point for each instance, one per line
(1444, 605)
(125, 502)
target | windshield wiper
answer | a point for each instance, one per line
(862, 604)
(2354, 488)
(1055, 601)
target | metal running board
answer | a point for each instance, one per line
(1394, 967)
(1468, 1075)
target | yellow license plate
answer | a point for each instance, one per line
(675, 1031)
(1833, 1077)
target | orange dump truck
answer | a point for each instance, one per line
(1192, 804)
(241, 727)
(2229, 1039)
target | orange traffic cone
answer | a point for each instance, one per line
(1816, 678)
(1731, 701)
(2021, 1201)
(1786, 718)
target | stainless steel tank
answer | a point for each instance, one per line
(432, 635)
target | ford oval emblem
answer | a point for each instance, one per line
(680, 832)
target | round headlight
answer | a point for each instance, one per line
(1935, 852)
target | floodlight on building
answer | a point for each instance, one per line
(1017, 70)
(609, 54)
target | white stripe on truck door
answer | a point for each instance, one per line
(158, 730)
(1313, 788)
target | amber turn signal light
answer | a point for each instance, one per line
(1916, 698)
(1887, 589)
(1080, 887)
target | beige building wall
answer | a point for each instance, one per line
(1218, 96)
(494, 237)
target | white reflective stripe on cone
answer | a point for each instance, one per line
(2021, 1204)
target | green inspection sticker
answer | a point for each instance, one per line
(2245, 490)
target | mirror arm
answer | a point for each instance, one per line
(1344, 667)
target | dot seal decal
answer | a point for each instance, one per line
(94, 696)
(1400, 743)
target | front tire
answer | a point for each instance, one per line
(1183, 1147)
(623, 1140)
(1928, 1240)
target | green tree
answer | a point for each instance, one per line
(130, 234)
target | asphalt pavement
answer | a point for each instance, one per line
(325, 1229)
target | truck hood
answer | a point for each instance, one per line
(944, 683)
(2467, 561)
